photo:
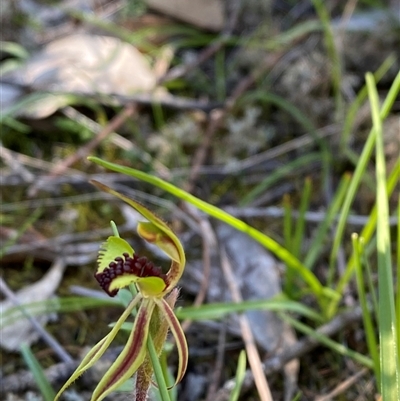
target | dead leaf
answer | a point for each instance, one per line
(206, 14)
(12, 336)
(83, 64)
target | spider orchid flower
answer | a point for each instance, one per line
(118, 267)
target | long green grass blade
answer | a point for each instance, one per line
(279, 175)
(287, 222)
(398, 273)
(320, 236)
(67, 304)
(390, 370)
(355, 182)
(359, 100)
(339, 349)
(298, 236)
(219, 310)
(367, 234)
(301, 221)
(292, 262)
(41, 380)
(239, 377)
(369, 327)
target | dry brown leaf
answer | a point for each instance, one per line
(14, 335)
(87, 64)
(206, 14)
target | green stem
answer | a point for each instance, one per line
(158, 372)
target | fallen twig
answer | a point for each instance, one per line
(247, 335)
(83, 151)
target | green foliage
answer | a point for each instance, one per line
(34, 366)
(301, 251)
(389, 347)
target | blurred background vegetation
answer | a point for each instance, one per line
(257, 107)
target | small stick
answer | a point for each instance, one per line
(82, 152)
(343, 386)
(251, 349)
(300, 348)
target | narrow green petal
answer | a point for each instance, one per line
(132, 355)
(113, 247)
(98, 350)
(93, 355)
(179, 335)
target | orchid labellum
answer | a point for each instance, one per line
(118, 267)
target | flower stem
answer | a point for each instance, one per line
(158, 373)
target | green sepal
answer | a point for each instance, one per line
(110, 249)
(131, 357)
(179, 335)
(98, 350)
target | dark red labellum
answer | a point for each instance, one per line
(138, 266)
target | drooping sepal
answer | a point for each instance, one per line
(179, 336)
(131, 357)
(98, 350)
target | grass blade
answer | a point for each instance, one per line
(339, 349)
(320, 235)
(292, 262)
(301, 222)
(398, 273)
(298, 236)
(240, 373)
(158, 373)
(41, 380)
(287, 222)
(390, 386)
(355, 182)
(368, 324)
(279, 175)
(220, 309)
(359, 100)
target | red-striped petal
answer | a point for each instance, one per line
(132, 355)
(179, 335)
(98, 350)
